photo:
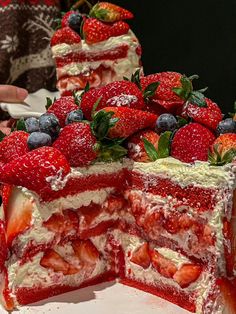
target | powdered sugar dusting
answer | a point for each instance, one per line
(122, 100)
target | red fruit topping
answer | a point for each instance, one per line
(109, 12)
(18, 215)
(225, 142)
(209, 116)
(13, 146)
(115, 94)
(141, 256)
(65, 36)
(130, 121)
(53, 260)
(61, 107)
(86, 251)
(192, 143)
(164, 95)
(33, 172)
(96, 31)
(163, 265)
(228, 292)
(187, 274)
(136, 149)
(77, 143)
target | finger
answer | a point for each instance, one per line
(11, 93)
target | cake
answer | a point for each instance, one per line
(117, 191)
(95, 49)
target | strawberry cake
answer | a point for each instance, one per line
(95, 49)
(138, 188)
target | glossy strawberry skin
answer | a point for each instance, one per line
(225, 142)
(136, 149)
(130, 121)
(96, 31)
(65, 35)
(113, 12)
(77, 143)
(191, 143)
(209, 116)
(117, 94)
(31, 170)
(13, 146)
(164, 95)
(61, 107)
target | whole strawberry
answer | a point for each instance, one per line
(210, 115)
(13, 146)
(136, 149)
(95, 31)
(78, 144)
(223, 150)
(34, 169)
(192, 143)
(115, 94)
(225, 142)
(65, 35)
(62, 107)
(109, 12)
(129, 121)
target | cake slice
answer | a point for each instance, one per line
(89, 49)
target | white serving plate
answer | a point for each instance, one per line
(106, 298)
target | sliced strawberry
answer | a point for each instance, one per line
(61, 107)
(115, 94)
(109, 12)
(53, 260)
(6, 194)
(18, 215)
(32, 171)
(64, 223)
(163, 265)
(86, 251)
(228, 292)
(171, 223)
(77, 143)
(13, 146)
(65, 35)
(187, 274)
(130, 121)
(5, 292)
(141, 256)
(136, 149)
(3, 247)
(115, 203)
(89, 213)
(209, 116)
(96, 31)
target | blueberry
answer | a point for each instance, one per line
(166, 122)
(74, 116)
(226, 126)
(32, 125)
(39, 139)
(49, 123)
(74, 21)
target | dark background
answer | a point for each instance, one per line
(190, 37)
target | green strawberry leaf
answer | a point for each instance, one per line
(164, 145)
(135, 78)
(20, 125)
(197, 98)
(102, 122)
(150, 150)
(100, 13)
(184, 91)
(49, 103)
(126, 78)
(112, 153)
(229, 156)
(193, 77)
(181, 121)
(95, 107)
(150, 90)
(2, 135)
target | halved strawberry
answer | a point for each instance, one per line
(3, 247)
(33, 172)
(228, 293)
(18, 214)
(65, 35)
(115, 94)
(61, 107)
(109, 12)
(130, 121)
(53, 260)
(163, 265)
(96, 31)
(136, 149)
(13, 146)
(141, 256)
(86, 251)
(187, 274)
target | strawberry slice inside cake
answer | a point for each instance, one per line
(120, 192)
